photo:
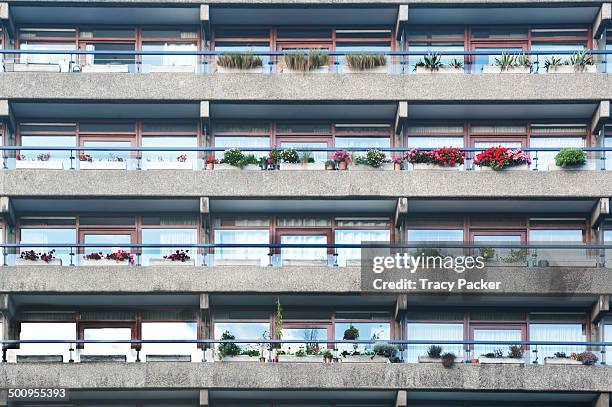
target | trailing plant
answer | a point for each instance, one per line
(448, 359)
(431, 61)
(415, 156)
(120, 256)
(244, 60)
(569, 157)
(364, 62)
(375, 158)
(397, 160)
(553, 61)
(560, 355)
(31, 255)
(211, 160)
(351, 333)
(587, 358)
(501, 157)
(291, 156)
(434, 351)
(250, 352)
(228, 348)
(341, 156)
(445, 156)
(300, 60)
(516, 352)
(327, 354)
(179, 255)
(330, 163)
(94, 256)
(581, 59)
(487, 252)
(385, 349)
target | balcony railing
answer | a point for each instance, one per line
(494, 254)
(265, 351)
(194, 158)
(322, 61)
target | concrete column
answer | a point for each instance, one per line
(204, 399)
(601, 116)
(401, 398)
(401, 115)
(401, 211)
(604, 16)
(601, 307)
(401, 305)
(602, 400)
(204, 13)
(402, 18)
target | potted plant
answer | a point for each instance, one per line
(341, 159)
(569, 159)
(455, 66)
(244, 62)
(560, 358)
(397, 163)
(580, 62)
(386, 350)
(328, 356)
(431, 62)
(30, 257)
(236, 159)
(272, 161)
(116, 258)
(231, 352)
(362, 63)
(373, 160)
(309, 354)
(502, 158)
(181, 163)
(434, 353)
(586, 358)
(552, 64)
(43, 161)
(509, 63)
(178, 257)
(210, 162)
(514, 356)
(301, 61)
(443, 158)
(330, 165)
(448, 359)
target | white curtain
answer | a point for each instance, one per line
(303, 253)
(252, 236)
(494, 335)
(178, 237)
(353, 236)
(433, 331)
(556, 332)
(180, 60)
(435, 142)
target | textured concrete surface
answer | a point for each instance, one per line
(177, 375)
(250, 279)
(279, 87)
(307, 184)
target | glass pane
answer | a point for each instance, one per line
(367, 330)
(50, 331)
(494, 335)
(166, 142)
(43, 236)
(496, 143)
(169, 331)
(177, 237)
(113, 242)
(554, 46)
(47, 58)
(319, 156)
(110, 59)
(244, 331)
(248, 255)
(435, 142)
(109, 155)
(435, 235)
(357, 237)
(434, 47)
(241, 142)
(51, 141)
(107, 334)
(546, 159)
(556, 332)
(251, 48)
(481, 60)
(559, 235)
(299, 253)
(312, 337)
(429, 331)
(168, 60)
(362, 142)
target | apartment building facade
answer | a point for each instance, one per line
(144, 265)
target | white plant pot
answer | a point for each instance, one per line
(37, 263)
(522, 167)
(590, 165)
(323, 69)
(379, 69)
(168, 262)
(572, 69)
(430, 167)
(36, 68)
(364, 359)
(251, 167)
(240, 358)
(108, 68)
(302, 167)
(222, 69)
(444, 70)
(561, 361)
(39, 165)
(300, 359)
(226, 167)
(361, 167)
(104, 262)
(169, 165)
(512, 69)
(500, 361)
(102, 165)
(172, 68)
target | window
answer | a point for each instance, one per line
(435, 235)
(290, 255)
(109, 333)
(32, 235)
(48, 39)
(244, 330)
(434, 41)
(47, 331)
(227, 142)
(313, 336)
(169, 331)
(554, 332)
(48, 134)
(241, 231)
(494, 334)
(546, 159)
(168, 40)
(433, 331)
(173, 236)
(367, 331)
(358, 231)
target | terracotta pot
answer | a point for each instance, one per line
(210, 166)
(328, 360)
(329, 167)
(475, 361)
(342, 165)
(262, 359)
(397, 166)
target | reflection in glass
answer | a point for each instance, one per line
(107, 334)
(169, 331)
(241, 254)
(433, 331)
(177, 237)
(356, 236)
(303, 253)
(367, 330)
(44, 236)
(50, 331)
(494, 335)
(244, 330)
(313, 339)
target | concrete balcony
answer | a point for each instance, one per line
(304, 376)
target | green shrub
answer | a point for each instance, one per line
(228, 349)
(289, 155)
(375, 158)
(570, 157)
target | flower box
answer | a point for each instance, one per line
(521, 167)
(322, 69)
(444, 69)
(172, 68)
(365, 167)
(102, 165)
(427, 359)
(572, 69)
(104, 262)
(168, 358)
(169, 165)
(251, 167)
(37, 263)
(364, 359)
(224, 166)
(300, 359)
(302, 166)
(590, 165)
(561, 361)
(511, 69)
(42, 165)
(109, 68)
(36, 68)
(168, 262)
(379, 69)
(103, 358)
(500, 361)
(430, 166)
(240, 358)
(39, 359)
(222, 69)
